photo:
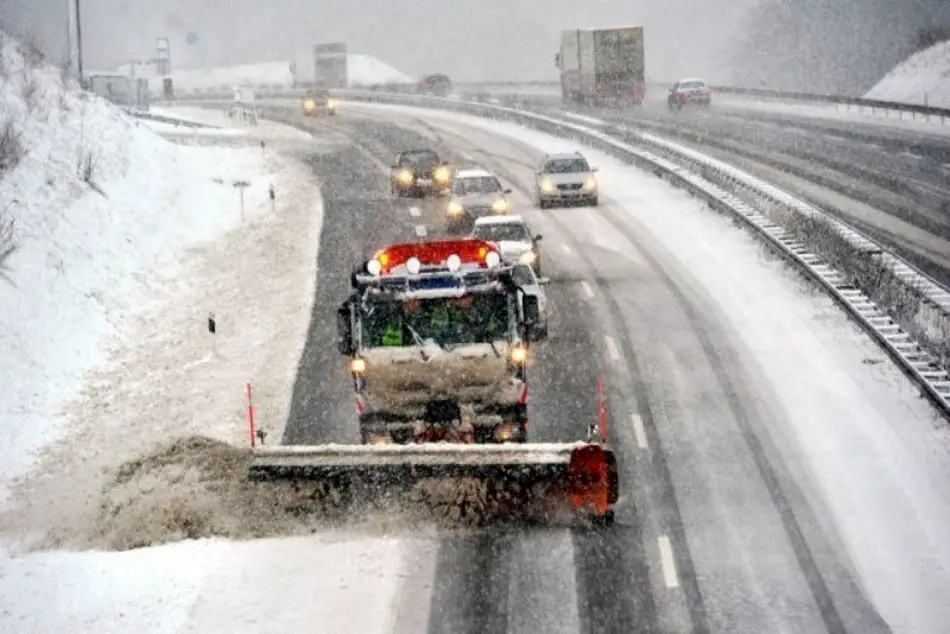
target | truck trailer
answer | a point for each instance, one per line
(602, 67)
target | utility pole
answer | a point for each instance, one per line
(79, 42)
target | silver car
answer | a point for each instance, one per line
(475, 193)
(563, 178)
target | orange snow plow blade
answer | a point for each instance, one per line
(580, 476)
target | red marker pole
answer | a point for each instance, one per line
(601, 389)
(250, 415)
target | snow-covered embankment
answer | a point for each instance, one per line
(126, 243)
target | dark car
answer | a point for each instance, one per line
(436, 86)
(688, 92)
(420, 172)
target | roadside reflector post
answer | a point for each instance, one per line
(213, 330)
(252, 432)
(602, 407)
(241, 186)
(272, 193)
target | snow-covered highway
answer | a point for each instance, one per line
(779, 474)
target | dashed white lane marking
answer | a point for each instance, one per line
(638, 431)
(667, 562)
(421, 231)
(612, 348)
(566, 249)
(587, 289)
(415, 212)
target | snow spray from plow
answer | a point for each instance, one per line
(578, 479)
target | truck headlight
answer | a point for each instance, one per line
(500, 206)
(405, 177)
(331, 104)
(309, 104)
(357, 365)
(548, 187)
(519, 354)
(590, 184)
(454, 208)
(529, 257)
(505, 433)
(442, 174)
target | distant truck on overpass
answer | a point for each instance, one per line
(602, 67)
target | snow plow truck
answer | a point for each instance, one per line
(437, 337)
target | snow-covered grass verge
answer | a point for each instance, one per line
(304, 584)
(167, 378)
(98, 203)
(119, 261)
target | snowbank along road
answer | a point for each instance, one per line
(757, 497)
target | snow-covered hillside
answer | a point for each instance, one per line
(102, 211)
(923, 78)
(363, 70)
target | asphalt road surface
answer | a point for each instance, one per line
(711, 534)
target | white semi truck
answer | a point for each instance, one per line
(602, 67)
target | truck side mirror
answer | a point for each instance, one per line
(344, 330)
(538, 238)
(532, 312)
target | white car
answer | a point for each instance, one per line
(475, 193)
(524, 276)
(515, 241)
(565, 178)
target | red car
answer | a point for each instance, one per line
(689, 92)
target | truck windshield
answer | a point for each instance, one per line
(474, 318)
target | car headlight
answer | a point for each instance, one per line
(500, 205)
(529, 258)
(548, 187)
(406, 177)
(590, 184)
(357, 365)
(309, 105)
(454, 208)
(519, 354)
(442, 174)
(331, 104)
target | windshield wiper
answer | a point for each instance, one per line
(421, 343)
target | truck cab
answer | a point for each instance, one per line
(437, 336)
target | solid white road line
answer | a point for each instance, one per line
(587, 289)
(612, 348)
(415, 212)
(667, 562)
(638, 432)
(421, 231)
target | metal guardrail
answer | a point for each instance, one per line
(915, 362)
(552, 89)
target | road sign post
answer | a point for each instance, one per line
(241, 186)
